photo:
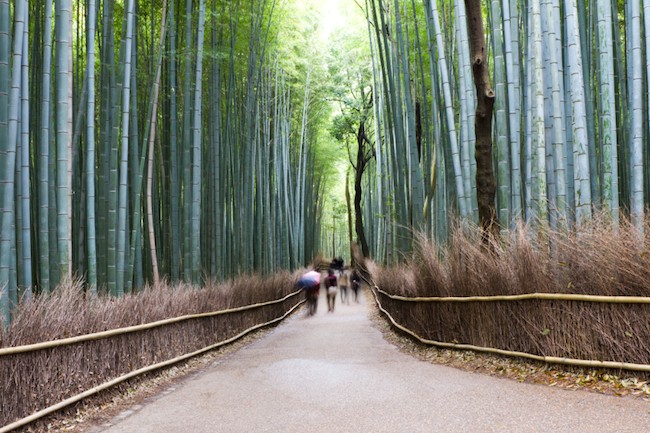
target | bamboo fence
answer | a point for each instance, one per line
(585, 363)
(8, 355)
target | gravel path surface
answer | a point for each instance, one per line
(334, 372)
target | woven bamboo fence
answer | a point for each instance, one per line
(609, 332)
(41, 378)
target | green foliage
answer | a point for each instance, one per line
(342, 126)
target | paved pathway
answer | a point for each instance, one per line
(335, 373)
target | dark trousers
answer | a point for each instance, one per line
(311, 296)
(331, 299)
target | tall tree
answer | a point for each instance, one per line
(485, 96)
(364, 154)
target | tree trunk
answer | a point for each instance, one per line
(349, 207)
(485, 183)
(360, 167)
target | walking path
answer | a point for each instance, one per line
(335, 373)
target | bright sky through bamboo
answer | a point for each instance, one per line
(331, 17)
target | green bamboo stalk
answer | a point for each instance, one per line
(124, 158)
(416, 187)
(426, 140)
(26, 254)
(451, 123)
(581, 147)
(63, 134)
(511, 48)
(586, 24)
(196, 151)
(607, 105)
(134, 267)
(173, 149)
(91, 243)
(152, 136)
(557, 130)
(55, 271)
(438, 170)
(187, 147)
(6, 174)
(500, 125)
(635, 71)
(10, 95)
(43, 155)
(105, 222)
(214, 168)
(528, 173)
(467, 95)
(539, 190)
(646, 131)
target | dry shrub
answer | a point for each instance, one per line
(600, 260)
(595, 260)
(34, 380)
(431, 277)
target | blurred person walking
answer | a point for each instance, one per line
(331, 283)
(310, 284)
(355, 279)
(343, 287)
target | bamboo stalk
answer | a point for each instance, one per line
(120, 331)
(524, 297)
(41, 413)
(152, 136)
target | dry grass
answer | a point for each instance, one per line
(597, 260)
(32, 381)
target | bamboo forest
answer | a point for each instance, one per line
(191, 140)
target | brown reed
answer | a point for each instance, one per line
(598, 259)
(34, 380)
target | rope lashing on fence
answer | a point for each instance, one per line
(546, 359)
(74, 399)
(136, 328)
(524, 297)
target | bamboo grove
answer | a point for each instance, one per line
(149, 139)
(570, 128)
(183, 139)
